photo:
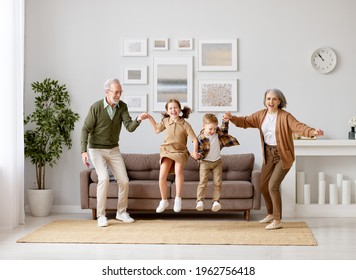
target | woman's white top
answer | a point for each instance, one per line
(269, 129)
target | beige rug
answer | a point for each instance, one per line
(172, 232)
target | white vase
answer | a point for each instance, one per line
(40, 201)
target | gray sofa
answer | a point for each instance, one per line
(240, 189)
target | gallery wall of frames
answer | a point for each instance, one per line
(173, 76)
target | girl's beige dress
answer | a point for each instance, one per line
(175, 142)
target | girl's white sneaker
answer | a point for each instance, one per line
(177, 204)
(163, 204)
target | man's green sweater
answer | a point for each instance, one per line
(101, 131)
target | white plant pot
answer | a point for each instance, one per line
(40, 201)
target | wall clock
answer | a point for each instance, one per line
(324, 60)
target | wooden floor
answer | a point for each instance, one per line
(336, 239)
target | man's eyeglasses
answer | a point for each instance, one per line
(116, 91)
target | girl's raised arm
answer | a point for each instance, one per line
(153, 123)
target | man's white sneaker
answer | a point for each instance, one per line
(177, 204)
(200, 206)
(102, 221)
(125, 217)
(163, 204)
(216, 206)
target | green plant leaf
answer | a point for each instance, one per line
(52, 122)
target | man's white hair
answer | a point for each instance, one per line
(111, 81)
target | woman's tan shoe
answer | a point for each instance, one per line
(274, 225)
(267, 219)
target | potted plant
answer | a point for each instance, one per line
(53, 122)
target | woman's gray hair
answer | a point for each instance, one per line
(111, 81)
(280, 96)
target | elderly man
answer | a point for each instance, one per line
(102, 128)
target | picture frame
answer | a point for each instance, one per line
(172, 78)
(217, 55)
(217, 95)
(135, 75)
(135, 102)
(134, 47)
(160, 44)
(184, 44)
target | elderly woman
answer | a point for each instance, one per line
(276, 128)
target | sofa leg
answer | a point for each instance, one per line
(247, 215)
(93, 213)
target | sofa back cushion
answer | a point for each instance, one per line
(238, 167)
(142, 166)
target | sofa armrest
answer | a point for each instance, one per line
(84, 187)
(255, 180)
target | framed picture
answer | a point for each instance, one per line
(135, 75)
(160, 44)
(172, 78)
(217, 95)
(136, 102)
(217, 55)
(134, 47)
(185, 44)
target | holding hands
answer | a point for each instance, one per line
(227, 116)
(143, 116)
(195, 155)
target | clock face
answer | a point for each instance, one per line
(324, 60)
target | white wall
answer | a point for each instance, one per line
(78, 42)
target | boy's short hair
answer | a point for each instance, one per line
(210, 118)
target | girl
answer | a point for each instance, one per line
(173, 151)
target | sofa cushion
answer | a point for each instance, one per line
(236, 189)
(112, 190)
(137, 189)
(146, 189)
(230, 189)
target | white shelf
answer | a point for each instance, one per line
(325, 143)
(330, 155)
(325, 147)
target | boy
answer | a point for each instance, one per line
(211, 140)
